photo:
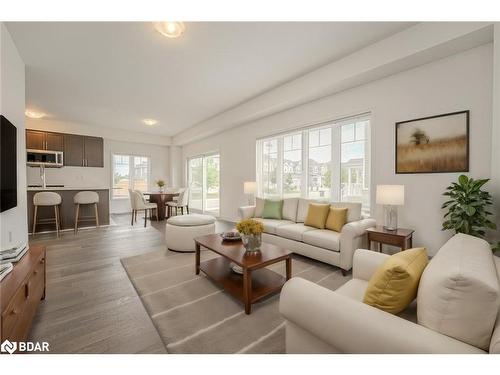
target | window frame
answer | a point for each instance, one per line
(336, 144)
(131, 173)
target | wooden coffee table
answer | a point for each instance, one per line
(256, 282)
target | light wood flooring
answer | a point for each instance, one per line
(90, 305)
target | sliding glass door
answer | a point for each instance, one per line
(204, 183)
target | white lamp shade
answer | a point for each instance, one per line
(391, 194)
(250, 187)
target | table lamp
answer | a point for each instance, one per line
(391, 196)
(250, 188)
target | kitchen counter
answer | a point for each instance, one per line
(65, 188)
(67, 209)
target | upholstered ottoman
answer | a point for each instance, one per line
(181, 230)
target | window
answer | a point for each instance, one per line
(292, 165)
(328, 162)
(130, 172)
(204, 184)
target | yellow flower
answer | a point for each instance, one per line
(250, 226)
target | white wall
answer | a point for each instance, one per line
(14, 224)
(100, 178)
(494, 184)
(458, 82)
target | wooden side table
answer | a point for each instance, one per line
(400, 237)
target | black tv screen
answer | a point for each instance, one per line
(8, 165)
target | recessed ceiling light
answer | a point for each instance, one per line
(170, 29)
(150, 121)
(34, 114)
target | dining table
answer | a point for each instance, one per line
(161, 198)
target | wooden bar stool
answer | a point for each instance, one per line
(86, 198)
(47, 198)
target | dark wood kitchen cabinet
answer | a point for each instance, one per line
(40, 140)
(83, 151)
(93, 152)
(54, 141)
(73, 150)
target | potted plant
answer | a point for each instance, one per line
(251, 234)
(161, 184)
(468, 208)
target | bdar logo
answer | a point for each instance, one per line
(8, 347)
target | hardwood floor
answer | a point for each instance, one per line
(90, 305)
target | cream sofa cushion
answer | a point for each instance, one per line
(459, 294)
(327, 239)
(293, 231)
(302, 208)
(353, 209)
(259, 207)
(354, 289)
(290, 208)
(270, 225)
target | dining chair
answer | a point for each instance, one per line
(181, 202)
(139, 203)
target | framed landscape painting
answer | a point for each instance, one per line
(437, 144)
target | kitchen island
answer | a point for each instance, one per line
(67, 209)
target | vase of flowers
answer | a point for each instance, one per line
(161, 184)
(251, 234)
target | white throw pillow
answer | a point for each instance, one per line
(459, 292)
(259, 207)
(290, 208)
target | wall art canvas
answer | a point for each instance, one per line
(437, 144)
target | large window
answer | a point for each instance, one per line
(328, 162)
(204, 184)
(130, 172)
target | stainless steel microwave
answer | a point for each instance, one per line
(48, 159)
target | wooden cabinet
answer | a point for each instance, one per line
(39, 140)
(93, 152)
(54, 141)
(20, 294)
(83, 151)
(73, 150)
(79, 150)
(35, 140)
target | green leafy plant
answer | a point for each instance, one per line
(160, 183)
(468, 207)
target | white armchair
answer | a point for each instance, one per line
(319, 320)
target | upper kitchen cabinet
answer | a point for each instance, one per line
(40, 140)
(83, 151)
(94, 152)
(74, 150)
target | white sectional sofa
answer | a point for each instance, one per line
(336, 248)
(456, 309)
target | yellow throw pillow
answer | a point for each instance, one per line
(337, 217)
(394, 284)
(316, 215)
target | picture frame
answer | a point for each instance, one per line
(434, 144)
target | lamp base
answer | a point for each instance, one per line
(390, 217)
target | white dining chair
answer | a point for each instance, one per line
(181, 202)
(139, 203)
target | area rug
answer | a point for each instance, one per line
(194, 315)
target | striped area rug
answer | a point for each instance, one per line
(193, 315)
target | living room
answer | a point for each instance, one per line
(166, 190)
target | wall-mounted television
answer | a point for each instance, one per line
(8, 165)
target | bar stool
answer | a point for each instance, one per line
(47, 198)
(86, 197)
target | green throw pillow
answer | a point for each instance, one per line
(272, 209)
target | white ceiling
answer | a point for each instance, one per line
(115, 74)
